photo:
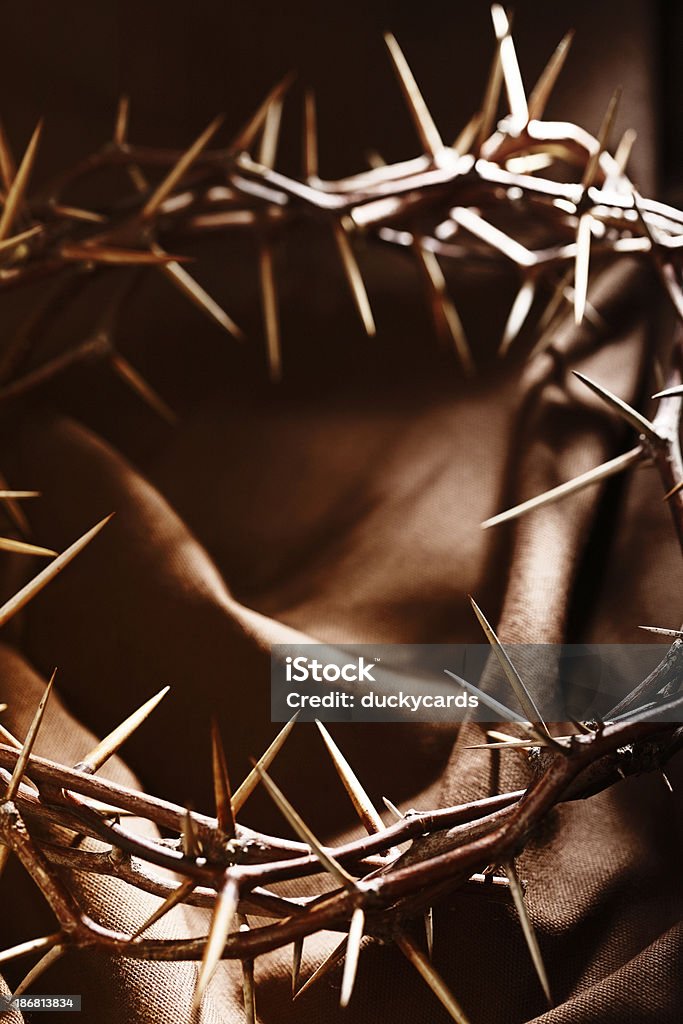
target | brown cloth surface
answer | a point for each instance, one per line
(344, 508)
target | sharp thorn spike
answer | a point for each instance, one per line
(271, 317)
(121, 124)
(196, 294)
(422, 119)
(525, 699)
(354, 277)
(191, 844)
(323, 968)
(673, 490)
(582, 266)
(34, 586)
(353, 944)
(676, 634)
(310, 136)
(179, 894)
(591, 476)
(164, 189)
(429, 931)
(303, 831)
(399, 815)
(624, 149)
(8, 168)
(107, 747)
(28, 744)
(519, 311)
(466, 139)
(359, 798)
(20, 547)
(43, 964)
(635, 419)
(445, 315)
(436, 983)
(271, 134)
(134, 379)
(30, 947)
(489, 106)
(297, 954)
(504, 712)
(221, 783)
(247, 135)
(243, 792)
(528, 928)
(221, 923)
(674, 392)
(593, 162)
(512, 77)
(540, 94)
(17, 190)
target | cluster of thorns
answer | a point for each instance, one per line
(453, 201)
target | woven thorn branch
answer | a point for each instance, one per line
(481, 200)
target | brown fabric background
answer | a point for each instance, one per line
(346, 506)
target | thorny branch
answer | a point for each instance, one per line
(481, 199)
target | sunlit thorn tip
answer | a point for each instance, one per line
(221, 783)
(635, 419)
(244, 791)
(528, 928)
(359, 798)
(355, 937)
(111, 743)
(29, 741)
(221, 923)
(419, 112)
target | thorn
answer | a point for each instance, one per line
(75, 213)
(107, 747)
(7, 166)
(623, 150)
(353, 942)
(191, 844)
(528, 928)
(519, 311)
(399, 815)
(359, 798)
(505, 713)
(541, 92)
(582, 266)
(635, 419)
(243, 792)
(445, 314)
(667, 780)
(271, 134)
(429, 931)
(434, 980)
(525, 699)
(221, 922)
(27, 747)
(674, 392)
(221, 783)
(196, 294)
(354, 277)
(22, 548)
(121, 124)
(8, 245)
(247, 135)
(310, 136)
(674, 490)
(115, 256)
(43, 964)
(489, 107)
(297, 953)
(602, 138)
(180, 893)
(32, 946)
(269, 306)
(323, 968)
(675, 633)
(34, 586)
(303, 831)
(512, 76)
(422, 119)
(7, 737)
(591, 476)
(465, 140)
(17, 190)
(164, 189)
(139, 385)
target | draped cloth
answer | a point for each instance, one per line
(345, 507)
